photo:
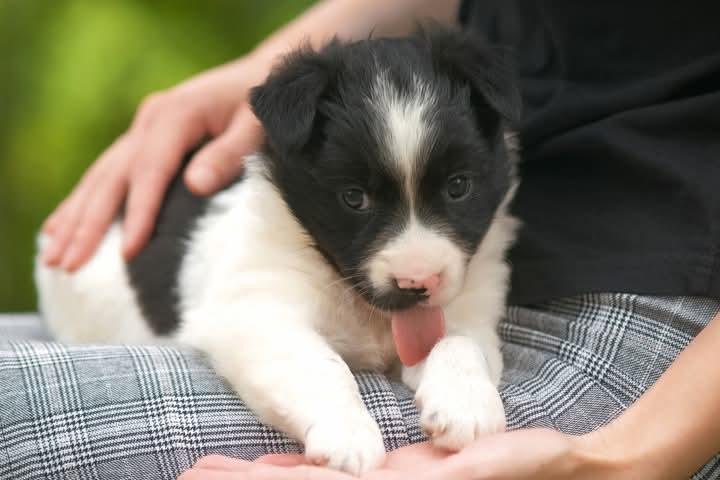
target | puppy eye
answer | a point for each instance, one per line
(458, 187)
(356, 199)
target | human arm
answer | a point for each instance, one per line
(669, 433)
(137, 168)
(673, 429)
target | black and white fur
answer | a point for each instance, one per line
(286, 278)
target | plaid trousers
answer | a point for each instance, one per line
(129, 412)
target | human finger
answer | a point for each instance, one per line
(155, 165)
(221, 160)
(60, 224)
(65, 222)
(88, 178)
(260, 471)
(205, 474)
(282, 460)
(94, 221)
(54, 250)
(221, 462)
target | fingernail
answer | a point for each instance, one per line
(203, 179)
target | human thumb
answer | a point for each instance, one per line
(221, 160)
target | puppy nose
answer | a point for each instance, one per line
(428, 283)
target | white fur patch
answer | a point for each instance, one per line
(407, 129)
(94, 304)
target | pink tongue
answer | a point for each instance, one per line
(416, 331)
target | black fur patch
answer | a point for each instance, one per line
(154, 272)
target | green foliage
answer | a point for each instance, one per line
(71, 76)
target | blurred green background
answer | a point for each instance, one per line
(72, 73)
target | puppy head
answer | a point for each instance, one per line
(391, 153)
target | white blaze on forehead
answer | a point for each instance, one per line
(405, 126)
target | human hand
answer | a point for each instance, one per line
(138, 167)
(401, 463)
(522, 454)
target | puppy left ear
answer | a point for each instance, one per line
(490, 71)
(286, 104)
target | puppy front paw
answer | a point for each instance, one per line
(455, 413)
(350, 443)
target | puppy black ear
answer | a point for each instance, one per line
(286, 104)
(490, 71)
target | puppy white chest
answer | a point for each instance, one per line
(358, 332)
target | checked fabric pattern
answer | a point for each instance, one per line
(128, 412)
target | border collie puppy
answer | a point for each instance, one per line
(371, 228)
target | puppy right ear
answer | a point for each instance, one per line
(286, 104)
(490, 71)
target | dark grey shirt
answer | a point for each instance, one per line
(621, 144)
